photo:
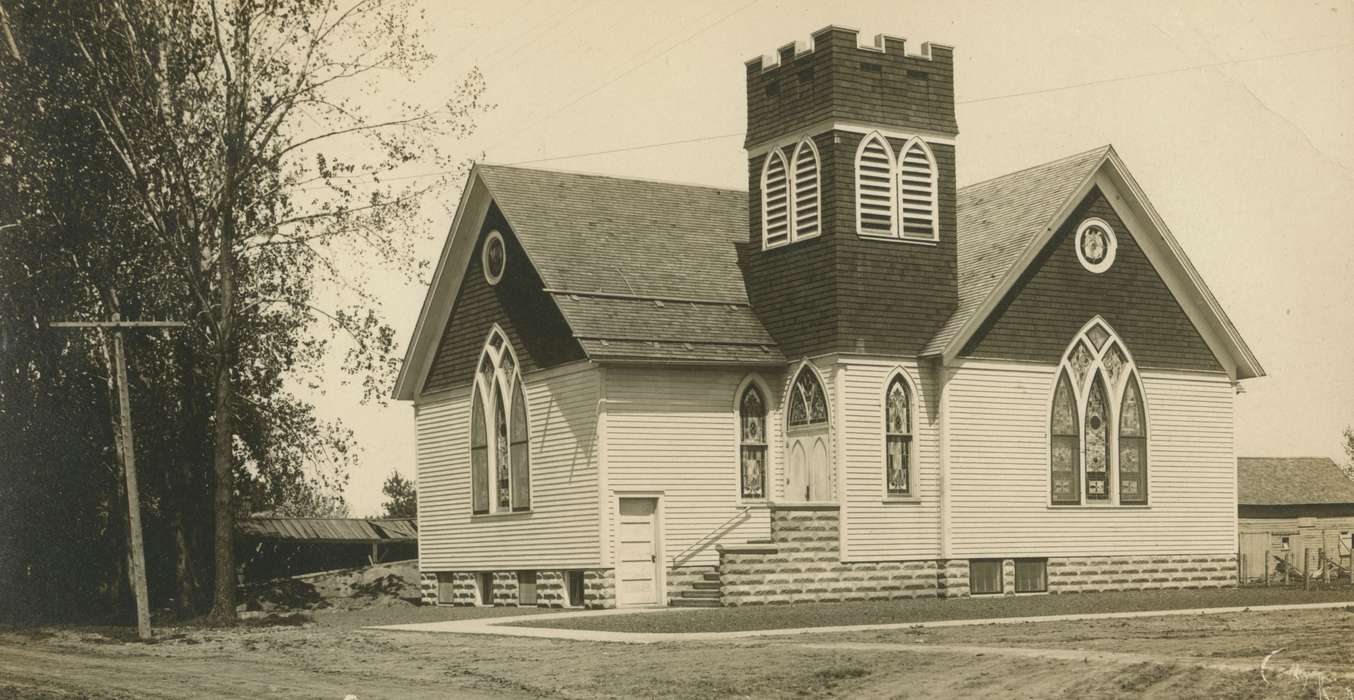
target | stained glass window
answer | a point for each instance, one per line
(1114, 362)
(752, 443)
(1132, 446)
(1081, 360)
(1098, 336)
(521, 458)
(479, 455)
(1097, 442)
(502, 460)
(898, 438)
(808, 403)
(1065, 444)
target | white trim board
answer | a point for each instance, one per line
(818, 128)
(1162, 250)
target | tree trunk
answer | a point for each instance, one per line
(223, 502)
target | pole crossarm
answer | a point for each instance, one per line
(118, 324)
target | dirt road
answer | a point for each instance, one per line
(1165, 657)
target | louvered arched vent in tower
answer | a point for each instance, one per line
(775, 201)
(917, 185)
(806, 191)
(874, 187)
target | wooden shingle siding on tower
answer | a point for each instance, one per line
(999, 469)
(563, 528)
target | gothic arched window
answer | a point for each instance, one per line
(500, 460)
(918, 189)
(805, 204)
(1098, 428)
(898, 438)
(808, 403)
(775, 200)
(875, 202)
(752, 443)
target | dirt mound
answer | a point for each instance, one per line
(377, 586)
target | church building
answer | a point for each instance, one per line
(853, 380)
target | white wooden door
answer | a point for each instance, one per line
(637, 553)
(808, 475)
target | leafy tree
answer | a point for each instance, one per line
(401, 496)
(226, 170)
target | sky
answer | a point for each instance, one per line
(1235, 118)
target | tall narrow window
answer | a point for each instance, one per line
(1065, 446)
(500, 461)
(479, 455)
(1097, 443)
(918, 183)
(898, 438)
(1132, 446)
(502, 453)
(807, 210)
(752, 443)
(775, 200)
(521, 458)
(874, 187)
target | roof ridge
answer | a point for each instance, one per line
(604, 176)
(1105, 149)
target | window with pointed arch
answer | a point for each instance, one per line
(752, 443)
(1098, 423)
(791, 195)
(808, 402)
(500, 461)
(898, 437)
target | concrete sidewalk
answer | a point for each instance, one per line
(501, 625)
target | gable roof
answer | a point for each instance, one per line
(640, 270)
(648, 271)
(1000, 225)
(997, 220)
(1284, 481)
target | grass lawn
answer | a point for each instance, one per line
(760, 617)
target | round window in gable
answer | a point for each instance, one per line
(1096, 245)
(494, 257)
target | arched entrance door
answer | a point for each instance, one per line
(807, 439)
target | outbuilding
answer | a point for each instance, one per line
(1295, 509)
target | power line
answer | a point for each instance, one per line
(1150, 75)
(700, 139)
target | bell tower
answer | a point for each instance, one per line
(851, 194)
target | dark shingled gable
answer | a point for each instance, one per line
(997, 220)
(1289, 481)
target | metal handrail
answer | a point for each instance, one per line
(742, 512)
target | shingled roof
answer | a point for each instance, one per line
(1288, 481)
(640, 269)
(997, 220)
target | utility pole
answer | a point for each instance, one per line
(137, 570)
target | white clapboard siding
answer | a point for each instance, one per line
(674, 432)
(998, 460)
(874, 529)
(562, 529)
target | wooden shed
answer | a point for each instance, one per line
(273, 546)
(1297, 509)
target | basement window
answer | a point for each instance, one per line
(573, 588)
(1031, 575)
(444, 590)
(984, 576)
(526, 588)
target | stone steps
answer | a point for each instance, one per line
(695, 603)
